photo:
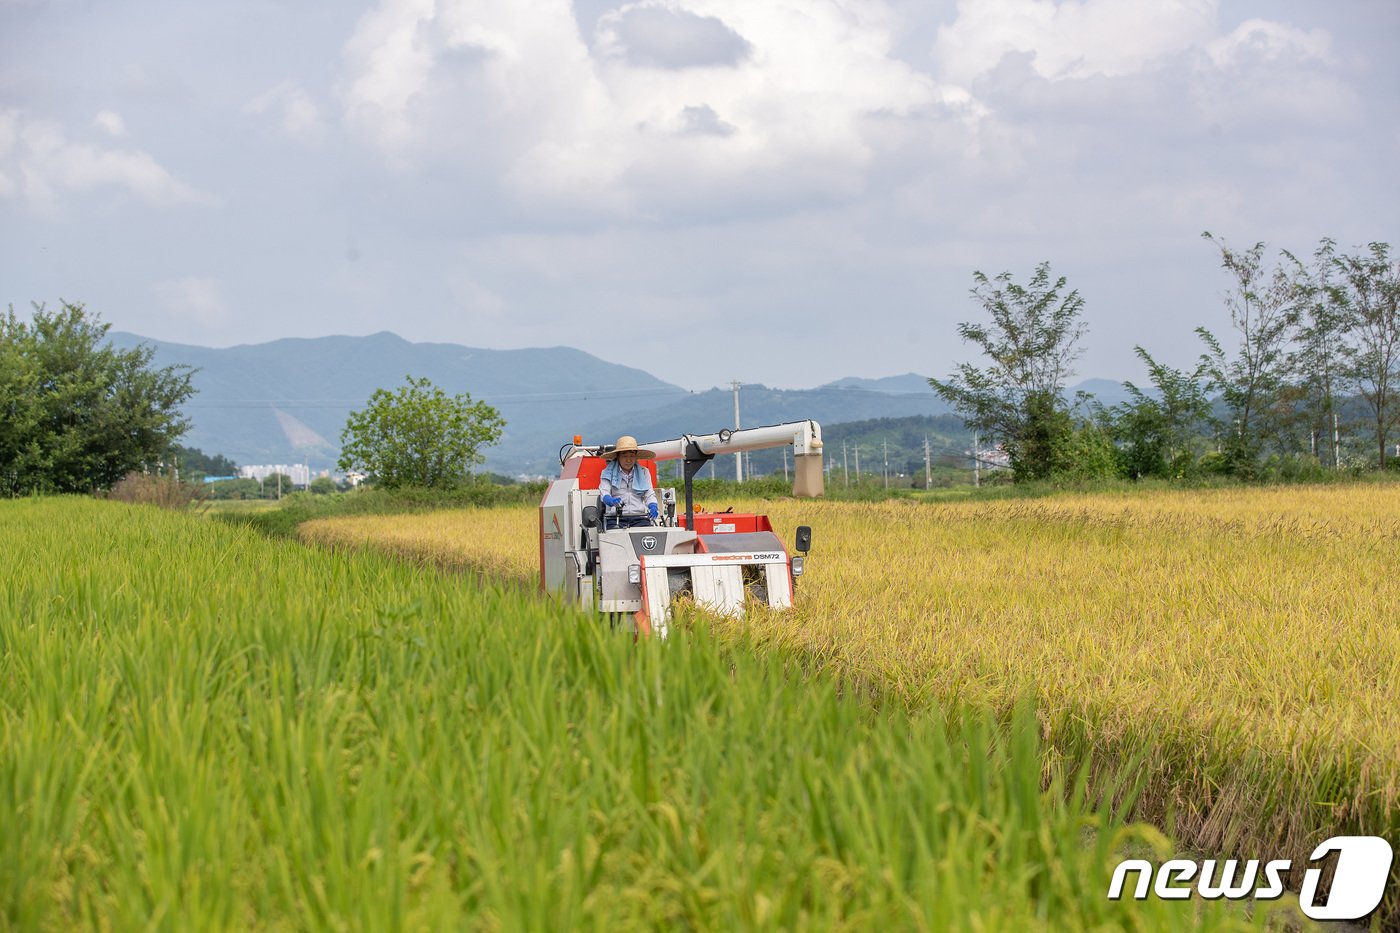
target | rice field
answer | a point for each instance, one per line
(201, 728)
(1248, 639)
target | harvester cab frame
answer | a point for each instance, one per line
(722, 561)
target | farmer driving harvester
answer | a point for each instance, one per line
(626, 492)
(594, 556)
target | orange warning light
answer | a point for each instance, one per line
(578, 440)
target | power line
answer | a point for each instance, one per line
(582, 396)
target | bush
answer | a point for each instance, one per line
(166, 492)
(235, 489)
(1089, 454)
(1295, 468)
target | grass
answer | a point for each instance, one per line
(202, 728)
(281, 519)
(1246, 637)
(240, 506)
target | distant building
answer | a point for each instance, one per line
(300, 474)
(994, 458)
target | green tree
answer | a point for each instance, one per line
(1157, 429)
(1319, 357)
(322, 485)
(78, 415)
(1031, 343)
(276, 485)
(194, 462)
(1089, 454)
(1369, 289)
(418, 436)
(235, 489)
(1264, 307)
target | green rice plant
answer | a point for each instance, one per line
(202, 728)
(1245, 636)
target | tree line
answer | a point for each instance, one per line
(1307, 378)
(77, 415)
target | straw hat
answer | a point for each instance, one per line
(628, 444)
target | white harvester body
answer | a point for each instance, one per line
(721, 561)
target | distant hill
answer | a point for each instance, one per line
(868, 442)
(287, 401)
(707, 412)
(907, 384)
(1106, 392)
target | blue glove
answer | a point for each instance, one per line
(611, 502)
(652, 510)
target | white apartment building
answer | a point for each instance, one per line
(300, 474)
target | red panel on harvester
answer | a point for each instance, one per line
(720, 523)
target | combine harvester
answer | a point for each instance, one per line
(720, 560)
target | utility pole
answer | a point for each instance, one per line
(739, 457)
(1336, 444)
(785, 470)
(846, 464)
(886, 443)
(857, 464)
(928, 470)
(976, 461)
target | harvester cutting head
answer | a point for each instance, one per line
(723, 562)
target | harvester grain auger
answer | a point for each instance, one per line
(720, 560)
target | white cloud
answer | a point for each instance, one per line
(110, 122)
(295, 112)
(37, 151)
(758, 99)
(476, 298)
(1257, 40)
(390, 57)
(9, 131)
(1111, 38)
(1071, 39)
(194, 302)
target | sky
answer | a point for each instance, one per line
(782, 192)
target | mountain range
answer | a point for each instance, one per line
(287, 401)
